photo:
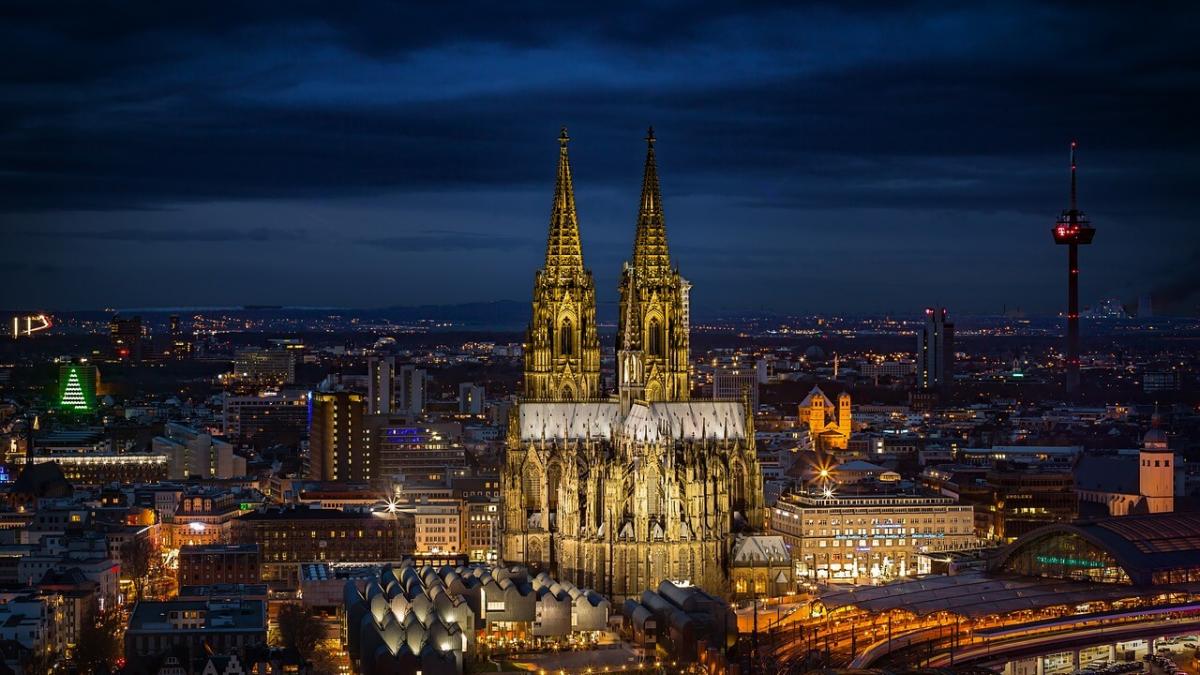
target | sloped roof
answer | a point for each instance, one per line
(816, 391)
(760, 548)
(678, 420)
(859, 465)
(45, 479)
(1107, 473)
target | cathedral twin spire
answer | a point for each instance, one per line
(564, 254)
(650, 253)
(562, 354)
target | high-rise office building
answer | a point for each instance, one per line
(126, 337)
(191, 452)
(265, 366)
(411, 394)
(339, 442)
(935, 351)
(180, 345)
(735, 383)
(380, 376)
(267, 419)
(408, 451)
(471, 398)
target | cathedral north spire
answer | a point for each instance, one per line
(564, 255)
(562, 349)
(650, 255)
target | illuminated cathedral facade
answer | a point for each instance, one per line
(619, 492)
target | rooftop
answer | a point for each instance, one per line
(218, 548)
(975, 594)
(302, 512)
(218, 615)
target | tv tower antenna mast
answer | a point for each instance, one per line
(1073, 230)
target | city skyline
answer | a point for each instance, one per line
(678, 339)
(813, 160)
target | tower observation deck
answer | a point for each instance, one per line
(1073, 230)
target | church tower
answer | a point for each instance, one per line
(843, 409)
(1156, 475)
(562, 348)
(652, 327)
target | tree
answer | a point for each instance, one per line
(99, 644)
(326, 660)
(40, 662)
(300, 629)
(142, 563)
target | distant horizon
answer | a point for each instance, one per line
(915, 313)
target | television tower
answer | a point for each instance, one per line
(1073, 230)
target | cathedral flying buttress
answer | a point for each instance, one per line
(621, 493)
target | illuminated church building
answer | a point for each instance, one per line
(619, 493)
(828, 425)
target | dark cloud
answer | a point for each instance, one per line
(147, 236)
(777, 115)
(448, 241)
(1178, 291)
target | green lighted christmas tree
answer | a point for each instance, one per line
(72, 396)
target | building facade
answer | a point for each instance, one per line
(339, 441)
(380, 378)
(193, 453)
(622, 493)
(289, 536)
(218, 564)
(935, 351)
(267, 418)
(413, 452)
(264, 366)
(853, 535)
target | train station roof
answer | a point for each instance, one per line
(977, 594)
(1059, 564)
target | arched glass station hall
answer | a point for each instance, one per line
(1107, 561)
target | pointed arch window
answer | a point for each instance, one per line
(654, 338)
(566, 339)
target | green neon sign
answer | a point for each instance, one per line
(1069, 562)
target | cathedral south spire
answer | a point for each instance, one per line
(562, 349)
(650, 255)
(652, 330)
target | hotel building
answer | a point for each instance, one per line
(868, 532)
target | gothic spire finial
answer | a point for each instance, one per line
(564, 255)
(650, 255)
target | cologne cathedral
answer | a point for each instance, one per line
(620, 491)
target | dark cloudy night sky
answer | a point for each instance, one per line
(833, 157)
